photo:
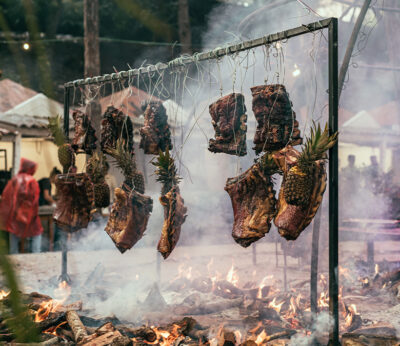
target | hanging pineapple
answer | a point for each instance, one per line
(131, 209)
(166, 171)
(171, 200)
(97, 168)
(125, 159)
(304, 182)
(66, 154)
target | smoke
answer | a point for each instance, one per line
(299, 63)
(322, 324)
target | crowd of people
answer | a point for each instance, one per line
(366, 192)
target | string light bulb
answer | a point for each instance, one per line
(26, 46)
(296, 71)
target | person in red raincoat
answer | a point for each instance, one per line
(19, 208)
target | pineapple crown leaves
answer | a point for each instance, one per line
(316, 146)
(124, 159)
(166, 170)
(268, 164)
(97, 167)
(56, 130)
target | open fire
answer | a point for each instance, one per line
(217, 308)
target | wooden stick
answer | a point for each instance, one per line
(76, 325)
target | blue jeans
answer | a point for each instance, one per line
(36, 243)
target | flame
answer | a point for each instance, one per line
(261, 337)
(232, 276)
(238, 337)
(275, 306)
(210, 265)
(4, 294)
(53, 330)
(376, 268)
(352, 311)
(323, 301)
(137, 277)
(164, 337)
(61, 293)
(262, 284)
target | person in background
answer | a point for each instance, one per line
(350, 175)
(373, 176)
(19, 208)
(45, 197)
(349, 187)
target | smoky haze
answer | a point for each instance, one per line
(301, 65)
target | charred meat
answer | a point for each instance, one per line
(84, 140)
(229, 121)
(304, 182)
(155, 133)
(276, 121)
(131, 209)
(75, 201)
(174, 217)
(171, 200)
(115, 125)
(253, 201)
(128, 218)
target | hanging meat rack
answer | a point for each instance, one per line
(332, 25)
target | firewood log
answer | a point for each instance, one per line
(76, 325)
(208, 308)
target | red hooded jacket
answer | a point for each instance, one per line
(20, 203)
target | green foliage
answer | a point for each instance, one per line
(124, 159)
(17, 317)
(316, 146)
(97, 168)
(166, 171)
(56, 130)
(268, 165)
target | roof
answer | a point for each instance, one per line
(12, 94)
(128, 100)
(39, 107)
(31, 116)
(373, 127)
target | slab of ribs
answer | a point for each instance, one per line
(75, 201)
(174, 217)
(253, 201)
(276, 121)
(229, 121)
(128, 219)
(115, 125)
(292, 219)
(155, 134)
(84, 140)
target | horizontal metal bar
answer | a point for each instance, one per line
(380, 8)
(378, 67)
(213, 54)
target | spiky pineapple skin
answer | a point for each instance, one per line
(66, 155)
(138, 181)
(101, 195)
(297, 186)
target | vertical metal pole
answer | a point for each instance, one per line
(66, 111)
(284, 267)
(314, 263)
(158, 267)
(64, 240)
(333, 184)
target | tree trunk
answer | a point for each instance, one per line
(185, 35)
(92, 56)
(91, 33)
